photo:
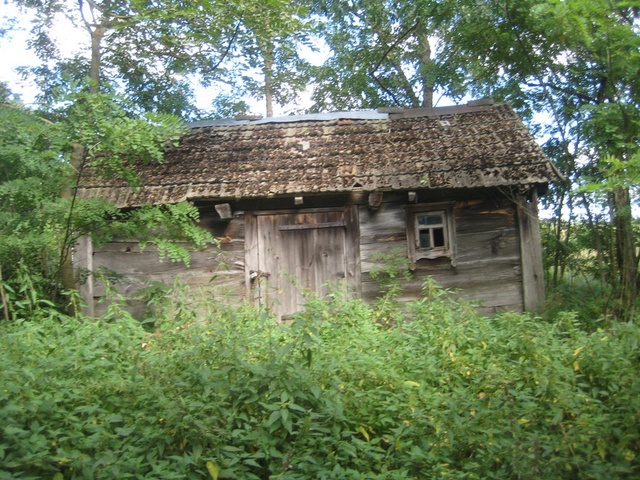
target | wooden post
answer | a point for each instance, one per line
(251, 260)
(83, 264)
(531, 253)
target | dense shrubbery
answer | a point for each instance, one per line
(449, 394)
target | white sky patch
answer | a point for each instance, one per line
(317, 54)
(15, 52)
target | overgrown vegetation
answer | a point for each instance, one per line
(349, 390)
(42, 219)
(581, 271)
(440, 393)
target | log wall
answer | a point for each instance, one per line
(487, 263)
(217, 271)
(487, 266)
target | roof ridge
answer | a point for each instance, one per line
(307, 117)
(382, 113)
(470, 107)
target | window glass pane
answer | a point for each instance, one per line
(430, 229)
(434, 219)
(438, 237)
(430, 219)
(425, 240)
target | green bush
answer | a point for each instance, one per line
(440, 393)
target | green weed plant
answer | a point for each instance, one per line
(441, 393)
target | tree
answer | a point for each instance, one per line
(39, 227)
(381, 54)
(153, 53)
(578, 62)
(264, 59)
(144, 50)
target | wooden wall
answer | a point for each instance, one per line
(487, 263)
(217, 271)
(487, 266)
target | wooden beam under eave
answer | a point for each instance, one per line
(224, 210)
(375, 200)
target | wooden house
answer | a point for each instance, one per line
(299, 202)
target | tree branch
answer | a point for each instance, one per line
(372, 72)
(230, 44)
(557, 88)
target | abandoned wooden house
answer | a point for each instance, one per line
(300, 202)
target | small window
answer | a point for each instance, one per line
(430, 232)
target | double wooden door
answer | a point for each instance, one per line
(292, 253)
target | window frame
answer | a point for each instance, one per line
(413, 213)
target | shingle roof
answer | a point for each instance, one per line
(449, 147)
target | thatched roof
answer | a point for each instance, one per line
(448, 147)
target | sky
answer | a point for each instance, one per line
(14, 53)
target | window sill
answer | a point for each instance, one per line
(432, 257)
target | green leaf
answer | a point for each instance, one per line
(410, 383)
(125, 432)
(364, 432)
(286, 421)
(284, 415)
(213, 469)
(274, 417)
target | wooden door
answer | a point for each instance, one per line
(294, 252)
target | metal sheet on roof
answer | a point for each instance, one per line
(323, 117)
(309, 117)
(218, 122)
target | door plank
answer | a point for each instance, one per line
(312, 226)
(299, 252)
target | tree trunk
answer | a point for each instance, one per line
(558, 240)
(267, 56)
(566, 249)
(94, 70)
(426, 67)
(625, 249)
(77, 160)
(595, 229)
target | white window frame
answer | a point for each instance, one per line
(415, 251)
